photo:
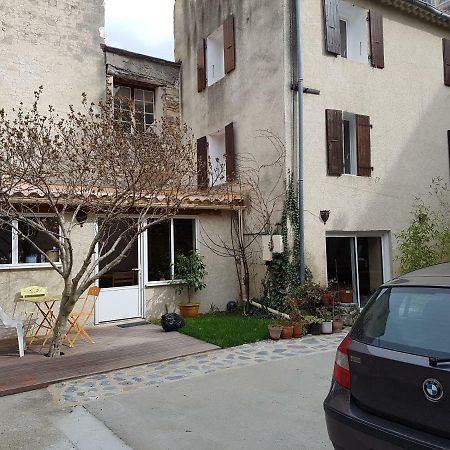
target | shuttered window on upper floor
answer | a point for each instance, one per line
(216, 158)
(348, 144)
(216, 55)
(351, 31)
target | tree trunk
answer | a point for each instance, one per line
(66, 308)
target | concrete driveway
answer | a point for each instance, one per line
(274, 404)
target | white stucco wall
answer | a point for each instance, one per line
(409, 108)
(407, 102)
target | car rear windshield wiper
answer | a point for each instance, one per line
(434, 362)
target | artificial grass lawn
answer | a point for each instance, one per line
(227, 330)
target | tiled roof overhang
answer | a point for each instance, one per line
(422, 10)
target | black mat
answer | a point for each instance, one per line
(134, 324)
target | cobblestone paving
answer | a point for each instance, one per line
(126, 380)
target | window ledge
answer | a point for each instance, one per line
(162, 283)
(28, 266)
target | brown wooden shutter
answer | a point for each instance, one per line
(363, 146)
(376, 39)
(201, 66)
(229, 44)
(229, 152)
(332, 26)
(335, 142)
(446, 51)
(202, 163)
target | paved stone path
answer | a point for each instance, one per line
(105, 385)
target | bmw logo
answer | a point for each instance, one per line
(433, 390)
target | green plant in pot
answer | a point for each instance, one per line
(314, 324)
(297, 319)
(275, 330)
(326, 314)
(191, 271)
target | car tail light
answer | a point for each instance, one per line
(342, 366)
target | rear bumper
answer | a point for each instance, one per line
(351, 428)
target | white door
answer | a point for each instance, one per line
(121, 288)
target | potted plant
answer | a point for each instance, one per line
(338, 322)
(314, 325)
(275, 330)
(329, 296)
(288, 331)
(296, 319)
(327, 319)
(346, 295)
(191, 271)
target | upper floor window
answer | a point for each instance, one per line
(353, 32)
(348, 144)
(216, 55)
(134, 106)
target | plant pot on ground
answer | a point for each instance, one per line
(191, 270)
(287, 332)
(298, 329)
(275, 331)
(338, 324)
(327, 327)
(314, 324)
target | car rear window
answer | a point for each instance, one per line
(408, 319)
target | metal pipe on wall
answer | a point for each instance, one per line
(300, 148)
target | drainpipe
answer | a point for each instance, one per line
(300, 148)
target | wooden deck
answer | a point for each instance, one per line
(115, 348)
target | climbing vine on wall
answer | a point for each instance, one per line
(282, 272)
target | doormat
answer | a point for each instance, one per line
(133, 324)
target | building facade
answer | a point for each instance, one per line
(376, 115)
(60, 45)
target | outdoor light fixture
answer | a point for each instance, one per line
(81, 216)
(324, 215)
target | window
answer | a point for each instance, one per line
(135, 106)
(407, 319)
(215, 57)
(349, 132)
(165, 241)
(348, 144)
(17, 247)
(216, 158)
(354, 32)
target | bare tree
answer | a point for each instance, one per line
(89, 164)
(261, 184)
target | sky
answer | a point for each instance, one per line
(141, 26)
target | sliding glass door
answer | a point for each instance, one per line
(359, 263)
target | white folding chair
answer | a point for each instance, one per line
(9, 325)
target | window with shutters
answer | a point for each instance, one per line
(348, 144)
(354, 32)
(134, 106)
(215, 57)
(216, 158)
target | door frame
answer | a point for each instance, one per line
(385, 253)
(140, 285)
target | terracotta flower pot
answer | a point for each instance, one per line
(338, 324)
(345, 295)
(275, 331)
(298, 330)
(287, 332)
(189, 309)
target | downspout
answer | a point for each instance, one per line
(300, 152)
